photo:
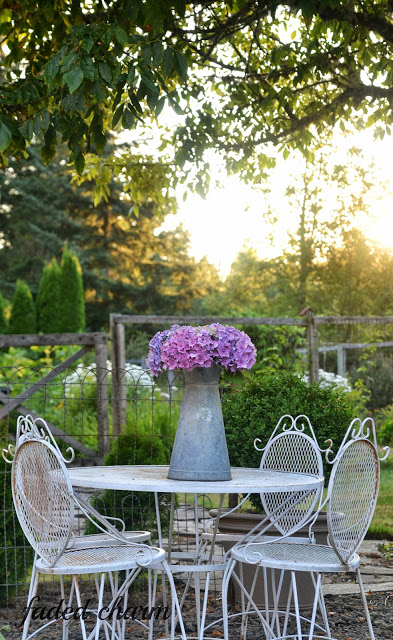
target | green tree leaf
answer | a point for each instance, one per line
(181, 65)
(167, 62)
(105, 72)
(5, 137)
(74, 78)
(47, 154)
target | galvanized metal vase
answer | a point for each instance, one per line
(200, 448)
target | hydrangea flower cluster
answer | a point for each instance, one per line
(185, 347)
(328, 379)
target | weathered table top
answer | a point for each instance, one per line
(154, 478)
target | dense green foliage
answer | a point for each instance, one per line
(49, 317)
(3, 320)
(136, 509)
(72, 302)
(253, 410)
(16, 555)
(283, 72)
(23, 316)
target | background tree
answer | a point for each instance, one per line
(129, 264)
(3, 321)
(23, 316)
(39, 211)
(48, 303)
(72, 303)
(283, 72)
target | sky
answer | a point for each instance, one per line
(232, 216)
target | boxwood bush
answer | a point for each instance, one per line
(252, 410)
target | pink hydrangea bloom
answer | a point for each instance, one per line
(185, 347)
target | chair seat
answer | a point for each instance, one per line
(295, 557)
(104, 539)
(100, 559)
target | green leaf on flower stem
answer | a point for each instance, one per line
(5, 137)
(73, 78)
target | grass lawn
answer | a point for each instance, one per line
(382, 523)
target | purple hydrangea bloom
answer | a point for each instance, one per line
(185, 347)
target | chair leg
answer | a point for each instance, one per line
(175, 602)
(364, 599)
(315, 606)
(225, 582)
(152, 600)
(79, 601)
(32, 594)
(123, 622)
(296, 604)
(205, 597)
(322, 607)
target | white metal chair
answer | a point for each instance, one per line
(45, 503)
(108, 532)
(292, 447)
(351, 499)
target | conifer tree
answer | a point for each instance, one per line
(72, 303)
(23, 316)
(3, 321)
(48, 299)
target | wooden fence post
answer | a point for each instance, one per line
(119, 388)
(313, 348)
(115, 377)
(102, 373)
(341, 360)
(121, 363)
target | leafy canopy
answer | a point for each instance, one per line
(246, 73)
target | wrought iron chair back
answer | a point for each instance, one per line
(352, 496)
(43, 497)
(291, 449)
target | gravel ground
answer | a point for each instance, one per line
(345, 609)
(346, 616)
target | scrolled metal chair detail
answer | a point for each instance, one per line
(350, 502)
(45, 504)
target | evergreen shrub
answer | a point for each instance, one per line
(23, 315)
(48, 300)
(253, 409)
(72, 303)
